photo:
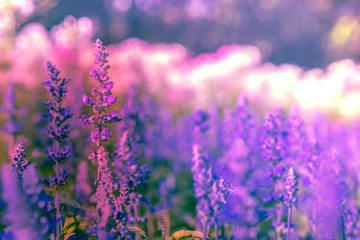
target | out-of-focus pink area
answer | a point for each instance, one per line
(175, 76)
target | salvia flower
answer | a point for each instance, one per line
(24, 204)
(221, 188)
(242, 119)
(56, 183)
(203, 178)
(19, 161)
(101, 99)
(135, 117)
(274, 142)
(290, 188)
(161, 224)
(132, 174)
(58, 131)
(57, 114)
(110, 198)
(200, 121)
(203, 181)
(16, 206)
(274, 137)
(104, 191)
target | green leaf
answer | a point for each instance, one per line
(71, 226)
(137, 230)
(186, 234)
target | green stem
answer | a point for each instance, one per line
(343, 227)
(278, 221)
(137, 236)
(57, 205)
(288, 223)
(216, 230)
(204, 228)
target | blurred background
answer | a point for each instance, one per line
(289, 51)
(309, 33)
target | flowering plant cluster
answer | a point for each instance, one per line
(154, 172)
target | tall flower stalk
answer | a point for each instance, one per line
(107, 186)
(219, 192)
(58, 131)
(131, 148)
(203, 182)
(103, 99)
(19, 162)
(274, 150)
(290, 196)
(162, 226)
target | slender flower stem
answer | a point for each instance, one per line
(216, 230)
(223, 235)
(135, 207)
(278, 220)
(343, 227)
(163, 235)
(58, 132)
(288, 223)
(57, 197)
(204, 228)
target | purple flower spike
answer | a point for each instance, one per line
(55, 85)
(110, 206)
(108, 101)
(88, 101)
(58, 131)
(290, 187)
(19, 162)
(108, 86)
(101, 99)
(99, 71)
(161, 224)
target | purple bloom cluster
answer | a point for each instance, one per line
(291, 188)
(161, 224)
(102, 96)
(57, 114)
(132, 174)
(58, 131)
(274, 139)
(56, 183)
(200, 121)
(203, 182)
(112, 194)
(238, 171)
(131, 151)
(19, 161)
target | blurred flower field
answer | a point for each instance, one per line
(106, 134)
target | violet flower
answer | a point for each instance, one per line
(132, 174)
(219, 192)
(290, 196)
(110, 212)
(131, 148)
(19, 161)
(25, 205)
(58, 131)
(101, 100)
(274, 150)
(161, 226)
(203, 182)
